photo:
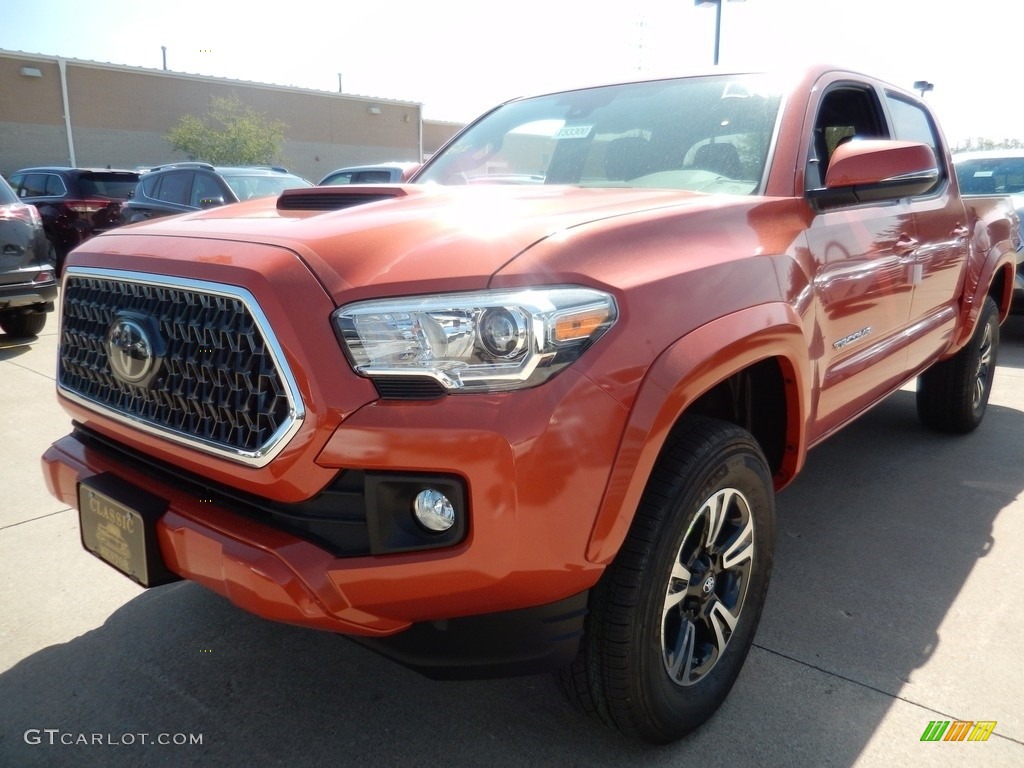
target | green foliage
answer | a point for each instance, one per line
(977, 144)
(231, 133)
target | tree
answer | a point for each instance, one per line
(975, 144)
(231, 133)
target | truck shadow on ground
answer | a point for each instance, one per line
(875, 541)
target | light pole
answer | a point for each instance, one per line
(718, 19)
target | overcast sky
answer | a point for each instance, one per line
(460, 57)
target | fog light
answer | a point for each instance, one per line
(433, 510)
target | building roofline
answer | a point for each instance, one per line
(40, 57)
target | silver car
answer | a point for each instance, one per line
(28, 269)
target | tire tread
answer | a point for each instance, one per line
(600, 680)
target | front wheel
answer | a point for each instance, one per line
(953, 394)
(673, 617)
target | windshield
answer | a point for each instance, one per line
(701, 134)
(250, 186)
(113, 185)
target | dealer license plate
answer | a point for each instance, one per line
(118, 525)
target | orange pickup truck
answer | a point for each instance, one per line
(530, 410)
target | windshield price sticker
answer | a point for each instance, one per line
(574, 132)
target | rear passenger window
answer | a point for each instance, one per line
(910, 122)
(54, 185)
(175, 188)
(34, 185)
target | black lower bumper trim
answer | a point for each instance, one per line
(521, 642)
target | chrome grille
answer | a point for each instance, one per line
(220, 382)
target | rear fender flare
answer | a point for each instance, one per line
(992, 253)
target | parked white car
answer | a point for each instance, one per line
(384, 173)
(997, 172)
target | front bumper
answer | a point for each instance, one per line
(535, 478)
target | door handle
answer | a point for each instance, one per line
(905, 245)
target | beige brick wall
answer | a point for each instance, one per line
(120, 115)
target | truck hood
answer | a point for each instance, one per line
(397, 235)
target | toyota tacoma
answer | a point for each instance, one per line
(530, 410)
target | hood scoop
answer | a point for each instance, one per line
(335, 198)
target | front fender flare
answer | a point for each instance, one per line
(681, 374)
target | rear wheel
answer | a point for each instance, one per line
(23, 323)
(674, 616)
(953, 394)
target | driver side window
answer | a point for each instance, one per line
(175, 186)
(846, 112)
(204, 189)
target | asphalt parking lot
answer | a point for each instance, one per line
(896, 600)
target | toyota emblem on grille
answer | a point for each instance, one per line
(130, 350)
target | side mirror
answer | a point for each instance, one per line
(409, 172)
(210, 202)
(868, 170)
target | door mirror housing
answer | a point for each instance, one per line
(211, 202)
(870, 170)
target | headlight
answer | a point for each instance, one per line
(487, 341)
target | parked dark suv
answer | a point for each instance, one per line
(28, 281)
(184, 187)
(75, 203)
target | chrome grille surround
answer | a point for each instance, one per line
(224, 386)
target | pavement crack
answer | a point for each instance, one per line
(158, 676)
(34, 519)
(887, 694)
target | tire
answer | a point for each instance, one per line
(673, 617)
(57, 255)
(953, 394)
(23, 324)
